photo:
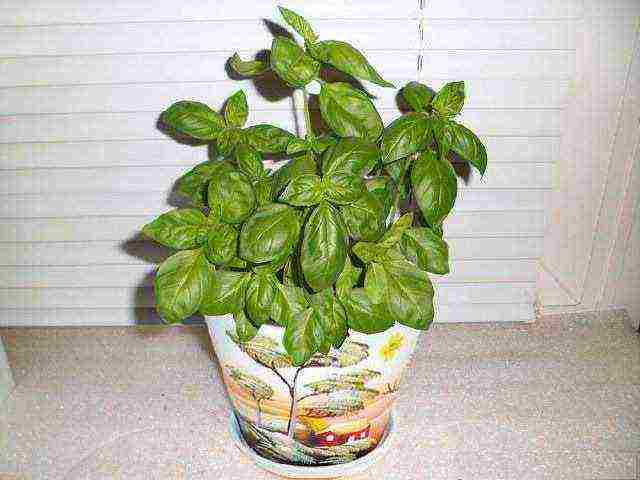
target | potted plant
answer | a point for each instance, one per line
(313, 277)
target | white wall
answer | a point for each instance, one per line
(82, 83)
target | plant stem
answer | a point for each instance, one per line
(307, 114)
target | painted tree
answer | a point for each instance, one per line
(257, 389)
(265, 351)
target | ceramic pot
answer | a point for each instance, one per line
(332, 410)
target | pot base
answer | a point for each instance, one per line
(328, 471)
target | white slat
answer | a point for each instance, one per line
(473, 225)
(122, 252)
(167, 152)
(97, 11)
(138, 126)
(447, 294)
(127, 204)
(118, 38)
(462, 313)
(137, 275)
(138, 179)
(524, 9)
(189, 67)
(155, 97)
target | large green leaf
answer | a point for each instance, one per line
(236, 110)
(426, 249)
(181, 283)
(384, 189)
(264, 190)
(249, 68)
(365, 218)
(245, 330)
(348, 278)
(435, 186)
(302, 165)
(465, 143)
(324, 247)
(270, 232)
(194, 119)
(379, 252)
(418, 96)
(332, 318)
(226, 293)
(222, 244)
(347, 59)
(249, 161)
(343, 188)
(181, 229)
(267, 138)
(291, 63)
(299, 24)
(450, 99)
(349, 112)
(404, 291)
(260, 294)
(350, 155)
(231, 194)
(228, 139)
(406, 135)
(363, 314)
(193, 184)
(302, 335)
(303, 190)
(289, 301)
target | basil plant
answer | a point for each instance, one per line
(344, 234)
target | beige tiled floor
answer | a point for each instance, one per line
(556, 399)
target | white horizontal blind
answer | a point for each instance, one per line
(83, 166)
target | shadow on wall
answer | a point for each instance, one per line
(272, 89)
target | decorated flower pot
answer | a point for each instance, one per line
(332, 410)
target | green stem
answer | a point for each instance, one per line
(307, 114)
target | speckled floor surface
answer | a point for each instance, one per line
(556, 399)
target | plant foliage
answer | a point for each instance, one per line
(344, 234)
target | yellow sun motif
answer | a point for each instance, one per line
(389, 349)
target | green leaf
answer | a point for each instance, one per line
(231, 193)
(449, 100)
(297, 145)
(349, 112)
(347, 59)
(406, 135)
(301, 336)
(404, 291)
(435, 186)
(427, 250)
(303, 191)
(350, 155)
(245, 330)
(236, 110)
(227, 140)
(332, 317)
(394, 233)
(299, 24)
(348, 278)
(270, 232)
(365, 218)
(370, 252)
(465, 143)
(222, 244)
(267, 138)
(418, 96)
(180, 284)
(324, 247)
(302, 165)
(264, 190)
(183, 228)
(343, 188)
(291, 63)
(248, 68)
(289, 301)
(226, 293)
(193, 184)
(321, 143)
(249, 161)
(363, 314)
(261, 291)
(194, 119)
(384, 189)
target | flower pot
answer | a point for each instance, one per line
(333, 410)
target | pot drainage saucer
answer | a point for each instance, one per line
(325, 471)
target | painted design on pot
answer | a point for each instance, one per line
(333, 409)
